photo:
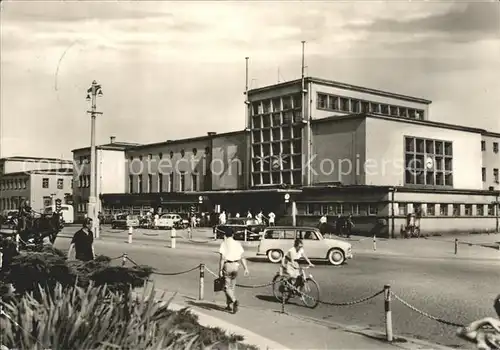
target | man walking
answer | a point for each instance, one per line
(83, 242)
(231, 254)
(272, 217)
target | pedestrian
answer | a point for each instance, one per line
(249, 215)
(157, 221)
(323, 226)
(222, 218)
(259, 217)
(83, 243)
(339, 225)
(237, 215)
(349, 225)
(272, 217)
(231, 255)
(100, 217)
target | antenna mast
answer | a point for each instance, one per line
(247, 103)
(303, 63)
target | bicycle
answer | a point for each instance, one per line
(283, 289)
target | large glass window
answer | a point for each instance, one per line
(428, 162)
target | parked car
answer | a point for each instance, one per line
(169, 220)
(124, 221)
(238, 226)
(279, 239)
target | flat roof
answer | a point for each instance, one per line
(185, 140)
(115, 146)
(408, 121)
(342, 86)
(25, 158)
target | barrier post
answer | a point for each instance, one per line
(202, 282)
(190, 233)
(374, 242)
(1, 260)
(124, 259)
(17, 242)
(172, 238)
(388, 312)
(130, 232)
(456, 246)
(246, 234)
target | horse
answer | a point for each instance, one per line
(38, 229)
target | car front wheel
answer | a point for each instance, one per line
(336, 257)
(275, 256)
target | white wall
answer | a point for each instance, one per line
(385, 146)
(111, 172)
(17, 166)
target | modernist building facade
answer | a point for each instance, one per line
(331, 148)
(39, 180)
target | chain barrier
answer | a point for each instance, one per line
(423, 313)
(242, 285)
(163, 273)
(470, 244)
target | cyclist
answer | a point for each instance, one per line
(290, 262)
(485, 338)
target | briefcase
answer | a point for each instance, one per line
(219, 284)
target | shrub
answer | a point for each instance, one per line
(95, 318)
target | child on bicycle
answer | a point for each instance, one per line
(486, 339)
(290, 262)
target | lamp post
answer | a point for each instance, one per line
(92, 93)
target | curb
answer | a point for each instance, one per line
(250, 338)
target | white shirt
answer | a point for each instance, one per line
(222, 218)
(323, 220)
(231, 250)
(293, 254)
(237, 215)
(259, 218)
(271, 217)
(249, 215)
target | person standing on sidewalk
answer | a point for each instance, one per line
(83, 242)
(272, 217)
(231, 254)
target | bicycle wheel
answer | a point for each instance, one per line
(310, 293)
(279, 288)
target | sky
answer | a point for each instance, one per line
(171, 70)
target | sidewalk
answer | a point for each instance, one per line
(269, 329)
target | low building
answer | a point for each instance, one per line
(40, 187)
(19, 164)
(111, 173)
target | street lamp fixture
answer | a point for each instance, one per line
(92, 93)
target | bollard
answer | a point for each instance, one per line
(388, 313)
(172, 238)
(246, 234)
(456, 246)
(130, 232)
(190, 234)
(374, 242)
(202, 282)
(1, 260)
(124, 259)
(17, 241)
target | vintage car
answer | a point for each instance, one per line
(124, 221)
(238, 227)
(170, 220)
(277, 240)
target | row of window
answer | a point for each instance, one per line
(276, 134)
(84, 181)
(495, 175)
(138, 186)
(293, 177)
(275, 120)
(495, 146)
(351, 105)
(14, 184)
(334, 209)
(12, 203)
(60, 183)
(445, 209)
(182, 152)
(277, 104)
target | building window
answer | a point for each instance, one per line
(150, 156)
(194, 182)
(483, 174)
(468, 209)
(479, 209)
(403, 208)
(195, 151)
(443, 209)
(456, 209)
(372, 209)
(171, 154)
(495, 175)
(491, 210)
(431, 209)
(207, 150)
(140, 183)
(483, 146)
(495, 147)
(182, 182)
(60, 184)
(131, 183)
(182, 153)
(322, 98)
(160, 182)
(170, 182)
(140, 158)
(428, 162)
(72, 184)
(150, 183)
(160, 155)
(45, 182)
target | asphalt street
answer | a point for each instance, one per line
(454, 290)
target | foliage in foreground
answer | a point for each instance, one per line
(95, 318)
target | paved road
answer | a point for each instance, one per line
(456, 290)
